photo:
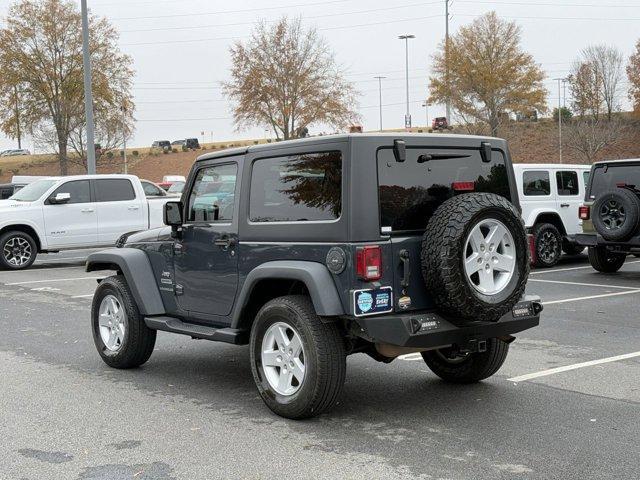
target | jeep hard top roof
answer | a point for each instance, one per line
(630, 161)
(411, 138)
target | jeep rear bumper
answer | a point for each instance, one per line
(430, 329)
(596, 240)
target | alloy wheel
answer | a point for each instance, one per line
(17, 251)
(283, 359)
(613, 215)
(548, 247)
(112, 323)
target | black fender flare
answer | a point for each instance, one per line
(136, 268)
(316, 277)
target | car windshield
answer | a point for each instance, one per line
(33, 191)
(606, 178)
(176, 187)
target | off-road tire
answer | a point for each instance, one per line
(540, 233)
(606, 261)
(5, 237)
(443, 257)
(139, 339)
(472, 368)
(631, 204)
(572, 248)
(325, 358)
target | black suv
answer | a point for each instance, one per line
(611, 214)
(314, 249)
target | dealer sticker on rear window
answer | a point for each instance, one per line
(372, 301)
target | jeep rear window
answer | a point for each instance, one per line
(607, 178)
(296, 188)
(410, 192)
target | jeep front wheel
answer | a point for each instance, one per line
(298, 362)
(606, 261)
(467, 368)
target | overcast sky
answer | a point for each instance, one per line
(180, 50)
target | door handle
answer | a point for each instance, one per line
(87, 210)
(134, 207)
(224, 242)
(565, 205)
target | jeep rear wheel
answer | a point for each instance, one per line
(548, 245)
(606, 261)
(467, 368)
(475, 259)
(298, 362)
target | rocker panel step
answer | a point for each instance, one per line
(175, 325)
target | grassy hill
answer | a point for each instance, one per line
(529, 142)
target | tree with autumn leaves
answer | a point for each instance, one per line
(285, 78)
(41, 62)
(485, 74)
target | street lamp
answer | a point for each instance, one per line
(379, 78)
(561, 81)
(406, 38)
(425, 104)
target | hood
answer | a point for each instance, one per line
(153, 235)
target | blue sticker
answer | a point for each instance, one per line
(365, 302)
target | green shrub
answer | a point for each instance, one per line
(174, 150)
(109, 154)
(122, 153)
(135, 153)
(256, 142)
(165, 151)
(184, 148)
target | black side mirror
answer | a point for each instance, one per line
(172, 214)
(399, 150)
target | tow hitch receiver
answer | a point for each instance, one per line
(473, 346)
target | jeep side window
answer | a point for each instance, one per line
(213, 194)
(78, 189)
(567, 182)
(536, 183)
(296, 188)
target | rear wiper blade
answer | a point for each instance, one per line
(439, 156)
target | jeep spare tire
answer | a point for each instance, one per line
(616, 214)
(475, 257)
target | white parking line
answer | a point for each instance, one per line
(540, 272)
(60, 259)
(53, 269)
(575, 366)
(582, 284)
(83, 296)
(53, 280)
(590, 297)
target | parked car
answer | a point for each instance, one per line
(17, 183)
(439, 123)
(296, 264)
(6, 190)
(611, 214)
(83, 211)
(550, 195)
(169, 180)
(152, 190)
(176, 188)
(161, 144)
(192, 143)
(178, 143)
(15, 153)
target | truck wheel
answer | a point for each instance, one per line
(122, 338)
(18, 249)
(548, 244)
(606, 261)
(475, 258)
(298, 362)
(469, 368)
(616, 214)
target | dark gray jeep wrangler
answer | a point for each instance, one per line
(311, 250)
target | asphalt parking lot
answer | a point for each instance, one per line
(566, 405)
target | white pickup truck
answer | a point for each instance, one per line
(62, 213)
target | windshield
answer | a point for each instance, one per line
(606, 178)
(33, 191)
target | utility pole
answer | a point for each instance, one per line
(124, 137)
(425, 104)
(88, 96)
(406, 38)
(560, 82)
(446, 56)
(15, 91)
(379, 78)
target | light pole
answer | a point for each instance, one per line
(446, 57)
(425, 104)
(560, 82)
(88, 97)
(406, 38)
(123, 108)
(380, 97)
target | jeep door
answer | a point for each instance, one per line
(206, 264)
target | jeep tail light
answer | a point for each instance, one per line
(584, 212)
(531, 239)
(463, 186)
(369, 262)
